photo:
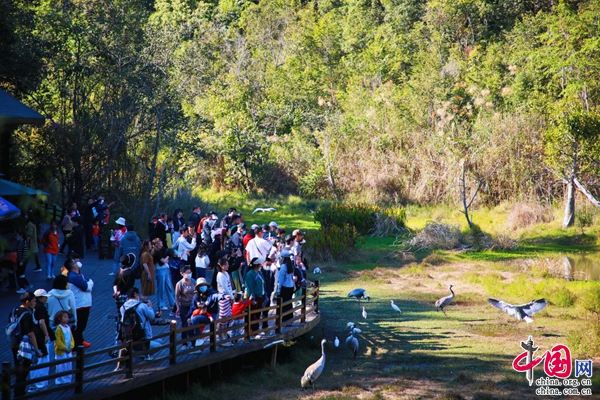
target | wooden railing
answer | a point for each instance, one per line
(86, 370)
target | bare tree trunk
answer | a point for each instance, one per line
(152, 172)
(569, 218)
(587, 194)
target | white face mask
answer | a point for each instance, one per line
(188, 276)
(78, 264)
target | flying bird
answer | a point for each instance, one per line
(336, 342)
(264, 209)
(312, 372)
(352, 342)
(364, 313)
(359, 293)
(444, 301)
(395, 307)
(317, 270)
(522, 312)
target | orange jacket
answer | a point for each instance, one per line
(50, 242)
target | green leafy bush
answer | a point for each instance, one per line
(585, 342)
(331, 242)
(361, 216)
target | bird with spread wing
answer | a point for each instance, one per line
(521, 312)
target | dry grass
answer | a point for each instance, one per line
(436, 235)
(524, 215)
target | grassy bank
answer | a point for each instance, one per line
(421, 353)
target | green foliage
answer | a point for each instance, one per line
(332, 242)
(360, 216)
(590, 300)
(585, 341)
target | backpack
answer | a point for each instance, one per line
(200, 225)
(13, 331)
(131, 327)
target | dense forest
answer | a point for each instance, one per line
(389, 101)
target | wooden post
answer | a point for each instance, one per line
(213, 336)
(279, 312)
(316, 303)
(303, 310)
(274, 356)
(129, 360)
(79, 364)
(173, 342)
(6, 389)
(247, 324)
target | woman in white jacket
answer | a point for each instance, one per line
(62, 299)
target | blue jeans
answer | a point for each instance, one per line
(164, 288)
(50, 261)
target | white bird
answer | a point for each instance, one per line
(522, 312)
(313, 371)
(336, 342)
(264, 209)
(444, 301)
(364, 313)
(317, 270)
(395, 307)
(352, 342)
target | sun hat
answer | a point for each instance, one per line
(120, 221)
(41, 293)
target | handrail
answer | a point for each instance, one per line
(90, 372)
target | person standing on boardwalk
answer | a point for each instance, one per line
(115, 239)
(184, 292)
(22, 364)
(50, 241)
(43, 335)
(31, 234)
(77, 237)
(225, 289)
(62, 298)
(147, 264)
(82, 290)
(129, 243)
(22, 259)
(255, 287)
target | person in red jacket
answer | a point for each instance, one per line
(238, 307)
(50, 241)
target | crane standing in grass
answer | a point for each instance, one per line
(352, 342)
(314, 371)
(444, 301)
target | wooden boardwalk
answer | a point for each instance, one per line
(97, 378)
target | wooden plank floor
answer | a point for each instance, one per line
(100, 333)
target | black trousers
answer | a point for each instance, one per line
(286, 294)
(22, 368)
(83, 314)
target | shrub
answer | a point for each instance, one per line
(361, 216)
(437, 236)
(585, 342)
(590, 301)
(524, 215)
(331, 242)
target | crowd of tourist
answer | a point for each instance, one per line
(193, 271)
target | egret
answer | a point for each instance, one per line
(359, 293)
(364, 313)
(352, 342)
(395, 307)
(352, 326)
(264, 209)
(336, 342)
(522, 312)
(312, 372)
(444, 301)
